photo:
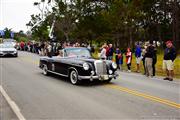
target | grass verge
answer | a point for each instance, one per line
(159, 70)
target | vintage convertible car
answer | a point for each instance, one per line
(77, 64)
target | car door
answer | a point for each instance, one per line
(61, 65)
(51, 64)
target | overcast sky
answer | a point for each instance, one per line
(16, 13)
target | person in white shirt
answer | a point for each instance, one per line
(103, 53)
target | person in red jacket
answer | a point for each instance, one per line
(22, 45)
(128, 59)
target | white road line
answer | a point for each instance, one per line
(12, 104)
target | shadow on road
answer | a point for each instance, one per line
(8, 56)
(83, 83)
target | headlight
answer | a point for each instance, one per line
(114, 65)
(86, 66)
(110, 72)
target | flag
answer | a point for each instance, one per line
(2, 32)
(12, 34)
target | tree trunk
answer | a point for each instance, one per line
(130, 37)
(176, 25)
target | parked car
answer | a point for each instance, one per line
(78, 64)
(8, 49)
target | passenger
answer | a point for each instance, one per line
(60, 54)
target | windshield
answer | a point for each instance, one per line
(9, 40)
(6, 46)
(77, 52)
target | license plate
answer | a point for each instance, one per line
(105, 77)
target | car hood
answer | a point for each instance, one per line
(89, 60)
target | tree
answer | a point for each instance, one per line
(7, 33)
(121, 22)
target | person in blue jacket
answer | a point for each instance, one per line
(138, 56)
(168, 62)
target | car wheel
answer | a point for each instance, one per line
(45, 70)
(74, 77)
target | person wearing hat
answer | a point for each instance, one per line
(149, 59)
(168, 62)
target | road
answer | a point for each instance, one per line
(5, 110)
(131, 96)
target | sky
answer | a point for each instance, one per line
(15, 14)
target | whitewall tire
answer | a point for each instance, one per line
(74, 77)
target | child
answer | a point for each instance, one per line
(128, 59)
(119, 59)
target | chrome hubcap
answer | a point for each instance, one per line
(45, 70)
(73, 77)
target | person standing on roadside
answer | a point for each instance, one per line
(111, 51)
(42, 46)
(168, 62)
(154, 60)
(149, 59)
(128, 59)
(107, 50)
(22, 44)
(138, 56)
(119, 58)
(103, 53)
(143, 57)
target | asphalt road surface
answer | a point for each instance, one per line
(131, 96)
(6, 112)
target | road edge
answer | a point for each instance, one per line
(12, 104)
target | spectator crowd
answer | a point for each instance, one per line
(47, 48)
(146, 53)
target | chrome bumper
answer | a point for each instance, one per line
(100, 77)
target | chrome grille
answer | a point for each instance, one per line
(8, 51)
(100, 67)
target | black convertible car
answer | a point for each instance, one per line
(78, 64)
